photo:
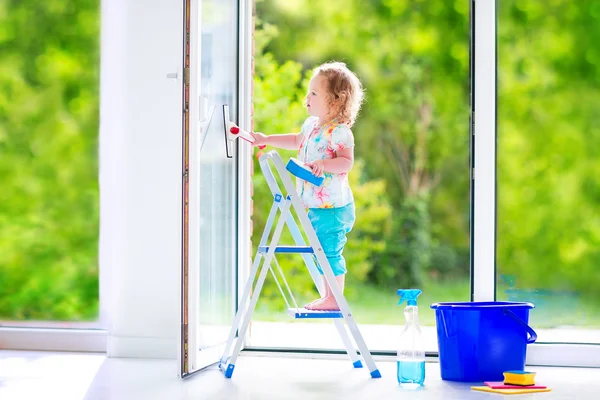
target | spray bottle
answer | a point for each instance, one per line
(411, 352)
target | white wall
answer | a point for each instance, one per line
(140, 176)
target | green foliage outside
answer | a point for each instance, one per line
(549, 145)
(49, 95)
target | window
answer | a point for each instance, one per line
(411, 178)
(548, 147)
(49, 207)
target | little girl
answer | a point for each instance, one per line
(326, 145)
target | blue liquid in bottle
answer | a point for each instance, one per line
(411, 352)
(411, 374)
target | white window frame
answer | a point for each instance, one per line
(483, 172)
(243, 160)
(245, 151)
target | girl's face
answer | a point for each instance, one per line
(316, 99)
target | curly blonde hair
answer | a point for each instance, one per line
(344, 90)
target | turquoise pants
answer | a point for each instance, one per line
(331, 226)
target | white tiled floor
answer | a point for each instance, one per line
(49, 376)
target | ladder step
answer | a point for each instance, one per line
(303, 313)
(287, 249)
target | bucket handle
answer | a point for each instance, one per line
(532, 335)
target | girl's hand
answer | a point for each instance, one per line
(318, 167)
(260, 139)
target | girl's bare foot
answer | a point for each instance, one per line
(307, 306)
(325, 304)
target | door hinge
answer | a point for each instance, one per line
(473, 173)
(186, 76)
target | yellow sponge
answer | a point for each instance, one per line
(520, 378)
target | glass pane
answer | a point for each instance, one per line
(549, 144)
(49, 202)
(218, 178)
(411, 175)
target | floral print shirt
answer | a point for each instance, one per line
(322, 143)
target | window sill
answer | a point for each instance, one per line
(53, 339)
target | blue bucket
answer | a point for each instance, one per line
(478, 341)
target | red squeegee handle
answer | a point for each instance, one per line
(235, 130)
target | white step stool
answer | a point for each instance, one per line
(284, 204)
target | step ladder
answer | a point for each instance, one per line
(311, 252)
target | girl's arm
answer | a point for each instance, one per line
(342, 163)
(288, 141)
